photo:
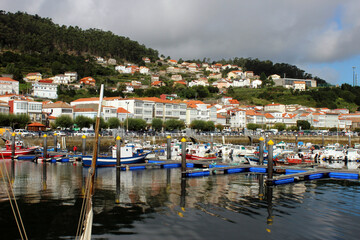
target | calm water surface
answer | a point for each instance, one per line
(156, 204)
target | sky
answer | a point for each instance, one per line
(320, 37)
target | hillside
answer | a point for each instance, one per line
(33, 34)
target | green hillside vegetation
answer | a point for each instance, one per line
(33, 34)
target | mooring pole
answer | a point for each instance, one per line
(212, 143)
(349, 140)
(55, 142)
(261, 186)
(270, 160)
(83, 145)
(183, 158)
(261, 151)
(168, 148)
(296, 143)
(13, 146)
(45, 148)
(323, 140)
(118, 151)
(98, 146)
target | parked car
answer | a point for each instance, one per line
(60, 133)
(23, 132)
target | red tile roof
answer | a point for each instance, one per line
(121, 110)
(7, 79)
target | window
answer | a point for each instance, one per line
(138, 111)
(66, 110)
(159, 112)
(138, 104)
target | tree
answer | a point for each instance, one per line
(136, 124)
(303, 124)
(209, 126)
(113, 122)
(64, 121)
(198, 125)
(280, 126)
(252, 126)
(157, 124)
(83, 122)
(173, 124)
(220, 127)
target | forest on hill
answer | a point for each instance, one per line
(33, 34)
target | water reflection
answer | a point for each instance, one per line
(159, 204)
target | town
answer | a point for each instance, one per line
(41, 105)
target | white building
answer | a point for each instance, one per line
(61, 79)
(256, 83)
(31, 108)
(238, 119)
(72, 75)
(8, 85)
(45, 90)
(275, 107)
(58, 108)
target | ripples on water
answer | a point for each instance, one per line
(155, 204)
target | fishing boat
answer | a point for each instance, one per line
(19, 149)
(128, 156)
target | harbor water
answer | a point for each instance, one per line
(157, 204)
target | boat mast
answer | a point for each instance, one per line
(95, 150)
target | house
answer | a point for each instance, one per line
(111, 61)
(249, 74)
(45, 90)
(33, 77)
(87, 81)
(176, 77)
(172, 62)
(61, 79)
(221, 84)
(275, 107)
(215, 75)
(57, 109)
(155, 78)
(256, 83)
(237, 119)
(72, 75)
(146, 60)
(36, 127)
(4, 107)
(157, 84)
(221, 119)
(8, 85)
(144, 70)
(122, 114)
(299, 85)
(235, 74)
(29, 107)
(182, 82)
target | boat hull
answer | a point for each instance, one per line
(111, 162)
(18, 152)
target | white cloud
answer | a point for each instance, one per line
(297, 32)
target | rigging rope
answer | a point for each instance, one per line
(11, 196)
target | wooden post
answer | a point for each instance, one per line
(118, 151)
(270, 160)
(261, 151)
(55, 142)
(212, 143)
(349, 141)
(45, 148)
(296, 143)
(98, 145)
(83, 145)
(13, 146)
(183, 158)
(168, 148)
